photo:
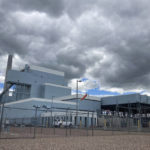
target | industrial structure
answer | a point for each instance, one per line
(45, 91)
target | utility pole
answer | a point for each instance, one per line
(35, 122)
(47, 108)
(77, 101)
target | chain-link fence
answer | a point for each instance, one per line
(33, 123)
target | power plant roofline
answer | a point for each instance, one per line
(42, 69)
(55, 85)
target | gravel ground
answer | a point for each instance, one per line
(117, 142)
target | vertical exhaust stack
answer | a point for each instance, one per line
(9, 67)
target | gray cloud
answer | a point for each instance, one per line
(105, 40)
(52, 7)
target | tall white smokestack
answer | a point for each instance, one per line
(9, 67)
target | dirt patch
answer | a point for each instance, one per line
(117, 142)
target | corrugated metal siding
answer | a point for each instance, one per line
(122, 99)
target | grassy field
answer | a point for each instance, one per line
(116, 142)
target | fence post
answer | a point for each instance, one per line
(92, 124)
(41, 128)
(71, 122)
(35, 122)
(87, 123)
(104, 123)
(139, 124)
(1, 121)
(66, 122)
(112, 124)
(54, 125)
(139, 118)
(128, 119)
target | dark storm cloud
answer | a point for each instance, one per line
(8, 39)
(52, 7)
(105, 40)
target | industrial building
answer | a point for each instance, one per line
(38, 86)
(45, 91)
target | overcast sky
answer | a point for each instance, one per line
(104, 41)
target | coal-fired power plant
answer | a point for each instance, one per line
(43, 93)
